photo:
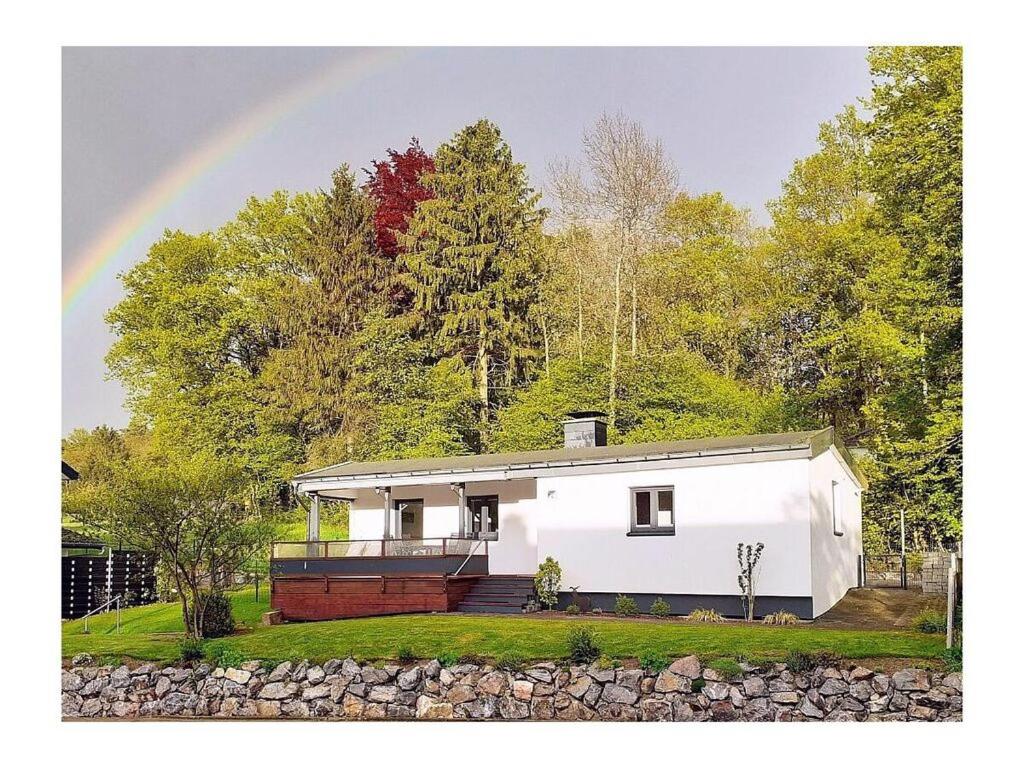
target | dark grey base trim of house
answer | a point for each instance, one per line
(680, 605)
(383, 566)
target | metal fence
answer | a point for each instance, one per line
(440, 547)
(891, 569)
(88, 582)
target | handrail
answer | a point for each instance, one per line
(115, 599)
(471, 551)
(307, 550)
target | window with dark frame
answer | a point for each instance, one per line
(481, 507)
(652, 511)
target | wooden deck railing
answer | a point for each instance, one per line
(375, 548)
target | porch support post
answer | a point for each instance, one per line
(385, 491)
(460, 489)
(313, 518)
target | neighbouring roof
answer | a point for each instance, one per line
(815, 441)
(67, 472)
(72, 539)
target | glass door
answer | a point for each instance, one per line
(410, 518)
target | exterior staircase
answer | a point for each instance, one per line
(499, 594)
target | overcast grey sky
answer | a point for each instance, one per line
(732, 119)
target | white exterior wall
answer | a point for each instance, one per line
(833, 558)
(585, 519)
(515, 551)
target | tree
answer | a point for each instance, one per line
(471, 260)
(194, 514)
(631, 182)
(94, 454)
(397, 188)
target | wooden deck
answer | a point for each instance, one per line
(316, 598)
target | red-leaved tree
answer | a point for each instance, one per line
(395, 186)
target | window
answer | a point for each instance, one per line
(837, 508)
(652, 511)
(483, 515)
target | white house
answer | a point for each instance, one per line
(648, 520)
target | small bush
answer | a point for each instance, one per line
(448, 658)
(583, 647)
(405, 654)
(510, 661)
(798, 661)
(626, 606)
(726, 667)
(660, 608)
(698, 685)
(225, 657)
(781, 618)
(190, 649)
(572, 609)
(954, 658)
(930, 622)
(607, 662)
(653, 661)
(547, 582)
(217, 618)
(707, 615)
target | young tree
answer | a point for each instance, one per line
(471, 260)
(193, 514)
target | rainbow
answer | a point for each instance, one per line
(175, 182)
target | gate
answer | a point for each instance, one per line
(891, 569)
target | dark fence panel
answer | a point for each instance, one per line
(87, 582)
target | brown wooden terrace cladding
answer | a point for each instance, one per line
(313, 580)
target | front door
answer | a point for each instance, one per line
(410, 518)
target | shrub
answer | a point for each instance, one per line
(660, 608)
(405, 654)
(607, 662)
(653, 661)
(708, 615)
(547, 582)
(226, 657)
(954, 658)
(931, 622)
(698, 685)
(190, 649)
(572, 609)
(448, 658)
(217, 618)
(798, 661)
(781, 618)
(583, 647)
(726, 667)
(510, 661)
(626, 606)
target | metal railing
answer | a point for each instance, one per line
(470, 554)
(105, 608)
(376, 548)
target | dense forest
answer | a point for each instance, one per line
(438, 304)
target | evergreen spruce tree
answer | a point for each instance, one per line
(472, 257)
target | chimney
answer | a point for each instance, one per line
(585, 429)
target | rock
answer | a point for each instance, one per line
(177, 703)
(592, 695)
(350, 667)
(737, 698)
(432, 669)
(70, 704)
(850, 704)
(431, 709)
(512, 709)
(723, 711)
(409, 679)
(281, 672)
(688, 666)
(615, 711)
(268, 709)
(578, 687)
(239, 676)
(81, 660)
(841, 716)
(461, 693)
(833, 687)
(630, 678)
(331, 666)
(809, 709)
(669, 682)
(315, 675)
(352, 706)
(321, 691)
(860, 673)
(618, 694)
(919, 712)
(655, 710)
(91, 708)
(445, 677)
(954, 680)
(374, 676)
(601, 675)
(295, 709)
(495, 683)
(881, 683)
(299, 672)
(120, 677)
(712, 675)
(400, 712)
(375, 711)
(69, 681)
(862, 690)
(716, 691)
(482, 708)
(542, 709)
(786, 697)
(163, 685)
(540, 674)
(523, 690)
(755, 686)
(383, 694)
(124, 709)
(911, 680)
(757, 710)
(278, 691)
(682, 711)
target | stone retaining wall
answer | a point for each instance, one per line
(935, 572)
(344, 689)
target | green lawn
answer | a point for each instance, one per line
(153, 633)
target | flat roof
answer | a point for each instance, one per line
(816, 441)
